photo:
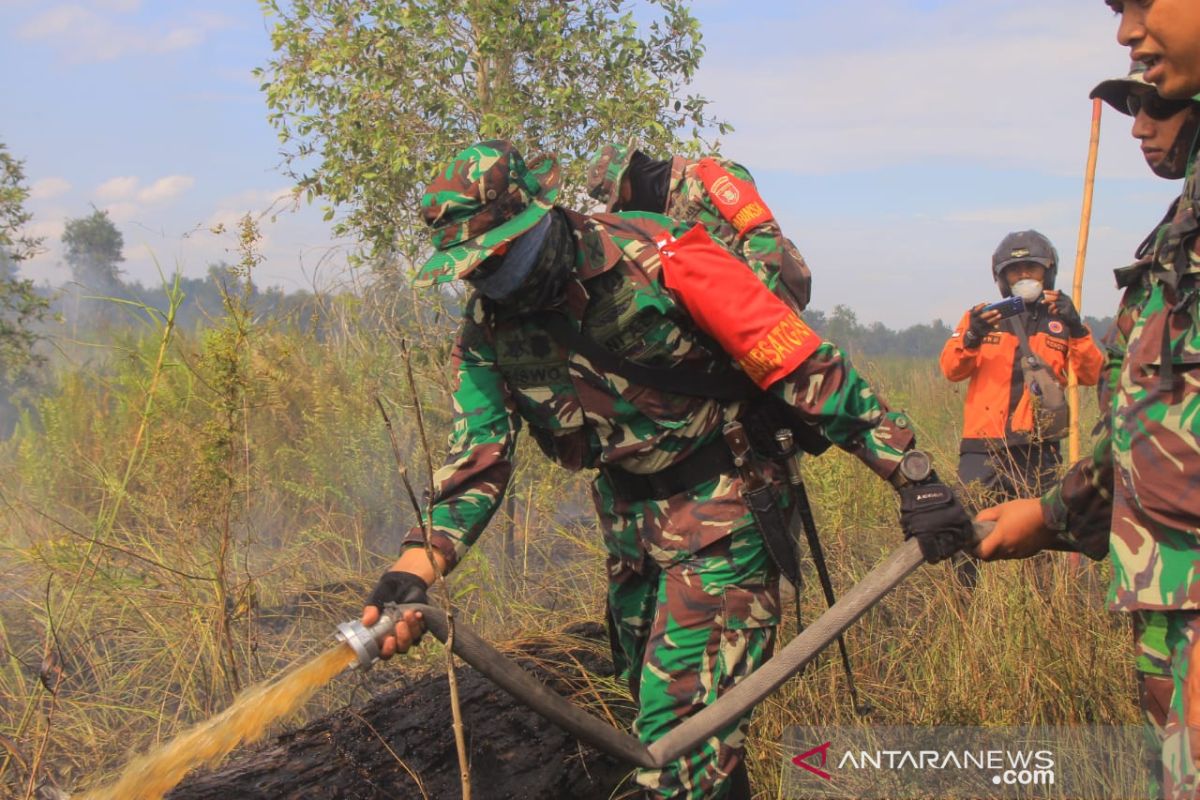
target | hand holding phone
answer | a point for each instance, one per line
(1008, 307)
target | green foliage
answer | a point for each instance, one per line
(21, 307)
(923, 340)
(92, 249)
(369, 98)
(15, 245)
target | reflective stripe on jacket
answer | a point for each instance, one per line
(998, 405)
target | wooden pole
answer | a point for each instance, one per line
(1085, 219)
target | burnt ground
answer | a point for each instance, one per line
(382, 748)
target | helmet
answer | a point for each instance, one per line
(1019, 247)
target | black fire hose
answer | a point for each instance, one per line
(728, 708)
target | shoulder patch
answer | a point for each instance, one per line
(737, 200)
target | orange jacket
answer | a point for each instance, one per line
(998, 406)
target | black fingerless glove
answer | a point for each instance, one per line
(931, 513)
(399, 588)
(977, 329)
(1065, 310)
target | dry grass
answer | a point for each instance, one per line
(148, 576)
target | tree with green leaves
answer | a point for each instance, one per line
(370, 96)
(92, 248)
(21, 307)
(15, 244)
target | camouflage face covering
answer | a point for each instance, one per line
(500, 280)
(553, 257)
(487, 197)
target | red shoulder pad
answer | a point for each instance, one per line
(736, 199)
(729, 303)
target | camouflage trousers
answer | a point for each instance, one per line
(1164, 643)
(683, 633)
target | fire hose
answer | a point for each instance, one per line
(684, 738)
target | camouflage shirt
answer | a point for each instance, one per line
(512, 372)
(1138, 492)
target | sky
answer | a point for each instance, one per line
(897, 141)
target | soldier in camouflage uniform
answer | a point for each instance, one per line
(717, 193)
(1136, 496)
(693, 597)
(1166, 129)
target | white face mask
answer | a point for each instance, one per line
(1027, 289)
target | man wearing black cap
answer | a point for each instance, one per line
(1165, 128)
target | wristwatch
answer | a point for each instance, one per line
(915, 467)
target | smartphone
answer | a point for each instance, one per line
(1007, 307)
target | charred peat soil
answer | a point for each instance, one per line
(400, 743)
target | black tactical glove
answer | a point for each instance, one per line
(1065, 310)
(400, 588)
(931, 512)
(977, 329)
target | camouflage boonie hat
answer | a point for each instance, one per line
(486, 198)
(1116, 91)
(605, 169)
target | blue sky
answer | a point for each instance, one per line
(896, 140)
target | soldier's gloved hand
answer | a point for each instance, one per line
(1064, 309)
(397, 587)
(931, 513)
(979, 326)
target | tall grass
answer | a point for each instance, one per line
(198, 510)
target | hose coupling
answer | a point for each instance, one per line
(364, 641)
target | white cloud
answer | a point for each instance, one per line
(89, 34)
(55, 21)
(1015, 216)
(117, 188)
(989, 80)
(166, 188)
(48, 229)
(122, 6)
(128, 188)
(122, 212)
(256, 202)
(47, 188)
(180, 39)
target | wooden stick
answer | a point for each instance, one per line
(1085, 221)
